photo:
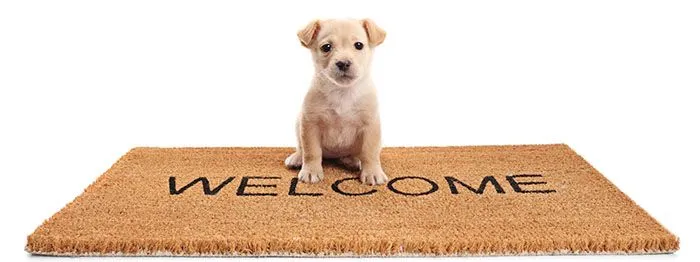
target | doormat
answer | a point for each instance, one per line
(444, 201)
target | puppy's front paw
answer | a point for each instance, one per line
(310, 175)
(373, 176)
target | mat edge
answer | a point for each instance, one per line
(351, 254)
(662, 244)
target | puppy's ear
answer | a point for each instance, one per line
(309, 33)
(375, 34)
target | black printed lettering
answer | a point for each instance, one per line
(487, 179)
(433, 186)
(516, 184)
(336, 188)
(205, 186)
(244, 184)
(293, 189)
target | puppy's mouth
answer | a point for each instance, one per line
(343, 79)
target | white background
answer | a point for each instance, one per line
(84, 81)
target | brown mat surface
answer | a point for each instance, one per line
(484, 200)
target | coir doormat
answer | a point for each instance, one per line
(484, 200)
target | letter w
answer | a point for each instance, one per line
(205, 186)
(487, 179)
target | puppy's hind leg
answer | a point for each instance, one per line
(350, 162)
(294, 161)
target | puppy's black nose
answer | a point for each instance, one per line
(343, 65)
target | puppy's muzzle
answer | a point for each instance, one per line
(343, 65)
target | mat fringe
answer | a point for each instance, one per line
(316, 248)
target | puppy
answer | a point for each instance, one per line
(339, 117)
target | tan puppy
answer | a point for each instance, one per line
(339, 118)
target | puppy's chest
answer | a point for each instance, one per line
(339, 132)
(342, 116)
(340, 128)
(342, 111)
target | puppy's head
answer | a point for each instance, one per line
(342, 49)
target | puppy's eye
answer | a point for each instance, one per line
(359, 45)
(326, 48)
